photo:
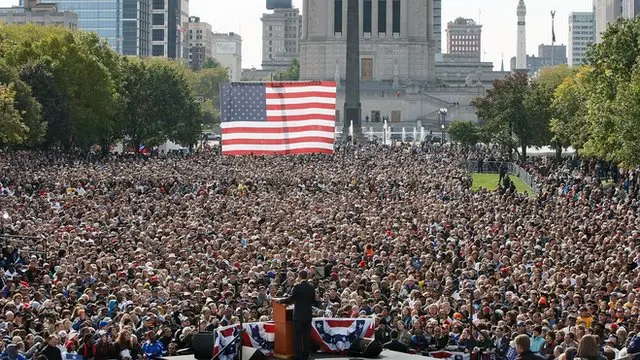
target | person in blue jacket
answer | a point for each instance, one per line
(152, 348)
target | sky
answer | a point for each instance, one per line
(498, 18)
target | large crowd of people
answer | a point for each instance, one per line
(127, 258)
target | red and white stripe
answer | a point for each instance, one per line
(300, 119)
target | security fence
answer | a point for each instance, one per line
(493, 167)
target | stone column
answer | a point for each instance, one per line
(305, 20)
(389, 18)
(404, 9)
(344, 17)
(352, 105)
(360, 17)
(374, 18)
(331, 19)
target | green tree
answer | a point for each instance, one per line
(611, 93)
(516, 113)
(206, 83)
(569, 125)
(12, 129)
(210, 63)
(210, 115)
(549, 79)
(158, 104)
(55, 105)
(81, 69)
(464, 132)
(291, 74)
(30, 110)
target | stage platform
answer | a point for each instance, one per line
(385, 355)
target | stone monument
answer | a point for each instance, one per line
(352, 105)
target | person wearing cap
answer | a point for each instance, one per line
(383, 333)
(303, 296)
(152, 348)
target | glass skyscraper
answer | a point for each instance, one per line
(124, 24)
(104, 17)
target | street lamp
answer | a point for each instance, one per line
(443, 119)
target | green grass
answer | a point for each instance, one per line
(490, 182)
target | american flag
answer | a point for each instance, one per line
(278, 117)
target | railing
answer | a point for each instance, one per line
(494, 167)
(397, 134)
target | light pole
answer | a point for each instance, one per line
(443, 119)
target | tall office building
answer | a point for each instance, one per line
(102, 17)
(136, 27)
(630, 8)
(281, 33)
(606, 11)
(200, 42)
(464, 37)
(227, 50)
(437, 24)
(581, 34)
(170, 19)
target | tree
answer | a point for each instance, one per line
(464, 132)
(158, 104)
(210, 115)
(206, 83)
(12, 129)
(210, 63)
(29, 110)
(81, 72)
(516, 113)
(569, 125)
(611, 94)
(549, 79)
(291, 74)
(55, 105)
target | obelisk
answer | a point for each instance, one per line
(352, 106)
(521, 54)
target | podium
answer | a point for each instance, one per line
(283, 341)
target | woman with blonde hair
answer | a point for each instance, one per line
(589, 349)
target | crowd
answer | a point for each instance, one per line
(128, 258)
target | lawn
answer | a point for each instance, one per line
(490, 181)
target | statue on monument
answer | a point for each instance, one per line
(396, 75)
(468, 82)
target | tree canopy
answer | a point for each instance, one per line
(69, 89)
(292, 73)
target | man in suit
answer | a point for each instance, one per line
(303, 296)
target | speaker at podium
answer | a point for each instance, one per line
(283, 341)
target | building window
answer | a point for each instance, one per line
(382, 16)
(337, 18)
(157, 50)
(158, 19)
(396, 17)
(158, 4)
(157, 35)
(367, 12)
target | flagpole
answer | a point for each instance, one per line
(553, 38)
